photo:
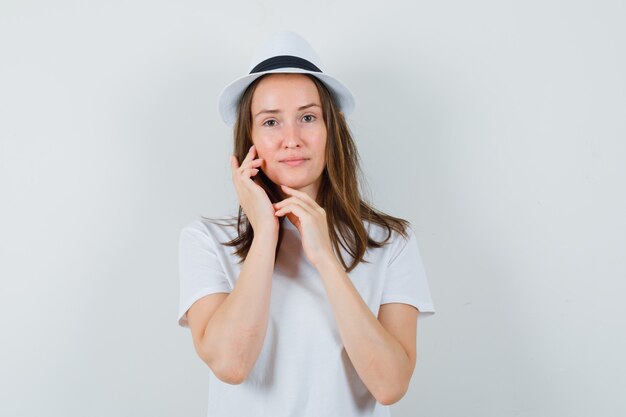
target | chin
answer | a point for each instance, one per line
(294, 184)
(291, 182)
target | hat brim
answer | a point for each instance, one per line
(231, 94)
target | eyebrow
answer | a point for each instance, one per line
(273, 111)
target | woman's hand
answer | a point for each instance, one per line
(252, 197)
(310, 220)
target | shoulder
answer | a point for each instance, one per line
(393, 237)
(210, 229)
(392, 241)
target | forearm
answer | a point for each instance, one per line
(379, 359)
(236, 332)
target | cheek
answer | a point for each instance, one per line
(259, 141)
(265, 152)
(321, 145)
(268, 154)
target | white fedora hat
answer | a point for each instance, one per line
(284, 52)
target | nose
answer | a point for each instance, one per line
(291, 135)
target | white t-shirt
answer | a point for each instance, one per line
(303, 368)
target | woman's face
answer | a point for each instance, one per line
(287, 122)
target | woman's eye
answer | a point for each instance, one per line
(270, 123)
(309, 118)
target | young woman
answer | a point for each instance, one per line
(306, 303)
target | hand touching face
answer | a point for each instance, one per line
(252, 198)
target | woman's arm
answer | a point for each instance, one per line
(230, 340)
(382, 352)
(384, 357)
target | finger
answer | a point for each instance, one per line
(286, 201)
(300, 212)
(301, 195)
(250, 155)
(256, 162)
(235, 167)
(295, 205)
(234, 164)
(245, 171)
(247, 178)
(250, 172)
(295, 200)
(251, 162)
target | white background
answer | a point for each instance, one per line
(497, 128)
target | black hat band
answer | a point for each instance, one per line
(284, 61)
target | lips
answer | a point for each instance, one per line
(293, 158)
(294, 162)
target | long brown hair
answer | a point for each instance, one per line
(338, 193)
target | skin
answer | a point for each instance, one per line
(286, 121)
(382, 349)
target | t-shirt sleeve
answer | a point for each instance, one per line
(200, 271)
(405, 280)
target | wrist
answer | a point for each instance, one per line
(327, 264)
(266, 235)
